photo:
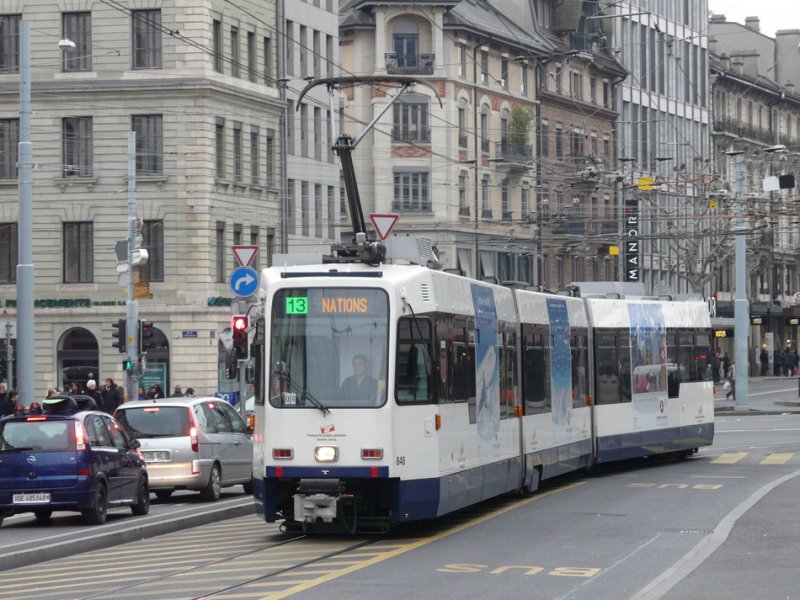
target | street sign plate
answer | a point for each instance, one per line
(244, 282)
(244, 255)
(384, 224)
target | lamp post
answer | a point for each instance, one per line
(475, 259)
(740, 304)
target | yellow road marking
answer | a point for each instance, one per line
(777, 458)
(419, 544)
(729, 458)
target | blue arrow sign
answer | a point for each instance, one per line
(244, 282)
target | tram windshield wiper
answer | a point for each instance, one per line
(305, 394)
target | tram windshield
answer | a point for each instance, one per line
(329, 348)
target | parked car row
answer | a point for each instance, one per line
(73, 457)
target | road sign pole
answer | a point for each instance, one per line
(132, 341)
(242, 365)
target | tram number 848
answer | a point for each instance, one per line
(400, 460)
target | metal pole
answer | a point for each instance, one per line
(25, 317)
(284, 123)
(740, 305)
(10, 357)
(475, 260)
(242, 365)
(132, 326)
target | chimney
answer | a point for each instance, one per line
(789, 85)
(748, 61)
(726, 61)
(715, 18)
(737, 65)
(752, 23)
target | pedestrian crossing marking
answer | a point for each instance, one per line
(777, 458)
(729, 458)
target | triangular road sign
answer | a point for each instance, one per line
(384, 224)
(244, 254)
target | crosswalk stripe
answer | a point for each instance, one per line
(777, 458)
(729, 458)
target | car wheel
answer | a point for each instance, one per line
(248, 487)
(163, 494)
(97, 514)
(210, 493)
(43, 514)
(142, 506)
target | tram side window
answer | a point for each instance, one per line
(702, 356)
(674, 374)
(443, 366)
(413, 375)
(607, 376)
(625, 375)
(686, 363)
(508, 376)
(535, 371)
(580, 369)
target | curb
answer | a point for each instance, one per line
(23, 554)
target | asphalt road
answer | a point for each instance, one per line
(717, 526)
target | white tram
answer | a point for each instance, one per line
(395, 392)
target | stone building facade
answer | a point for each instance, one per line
(196, 82)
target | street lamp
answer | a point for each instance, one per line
(740, 304)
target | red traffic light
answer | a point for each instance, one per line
(239, 324)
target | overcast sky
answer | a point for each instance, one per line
(774, 14)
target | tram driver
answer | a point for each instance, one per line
(360, 387)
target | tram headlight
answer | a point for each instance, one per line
(326, 453)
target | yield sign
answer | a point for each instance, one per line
(244, 254)
(384, 224)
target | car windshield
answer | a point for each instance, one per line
(154, 421)
(29, 436)
(329, 348)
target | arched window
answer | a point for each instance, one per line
(504, 117)
(485, 128)
(406, 43)
(462, 123)
(78, 357)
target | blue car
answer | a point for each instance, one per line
(69, 457)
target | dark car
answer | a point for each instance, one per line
(69, 458)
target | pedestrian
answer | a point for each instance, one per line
(13, 400)
(788, 362)
(730, 384)
(6, 405)
(53, 392)
(142, 395)
(94, 394)
(190, 392)
(715, 364)
(764, 358)
(726, 363)
(178, 393)
(75, 388)
(155, 392)
(113, 396)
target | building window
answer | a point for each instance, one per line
(462, 60)
(251, 56)
(267, 60)
(304, 130)
(270, 174)
(149, 144)
(523, 71)
(545, 138)
(76, 138)
(463, 209)
(331, 212)
(484, 66)
(505, 201)
(291, 204)
(484, 128)
(255, 240)
(153, 242)
(411, 191)
(593, 90)
(290, 47)
(303, 49)
(486, 209)
(8, 253)
(317, 133)
(237, 152)
(290, 126)
(255, 156)
(216, 34)
(330, 58)
(77, 27)
(559, 141)
(235, 51)
(146, 39)
(237, 241)
(9, 147)
(219, 147)
(576, 83)
(462, 123)
(411, 120)
(504, 71)
(305, 217)
(606, 93)
(78, 252)
(523, 199)
(9, 43)
(318, 211)
(220, 248)
(316, 61)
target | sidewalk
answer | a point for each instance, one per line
(758, 403)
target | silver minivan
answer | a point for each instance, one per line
(190, 443)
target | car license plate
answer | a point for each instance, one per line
(37, 498)
(156, 456)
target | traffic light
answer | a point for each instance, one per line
(119, 333)
(239, 325)
(145, 336)
(127, 365)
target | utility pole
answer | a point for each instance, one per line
(740, 304)
(25, 317)
(9, 356)
(132, 341)
(282, 83)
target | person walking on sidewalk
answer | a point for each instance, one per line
(730, 384)
(763, 357)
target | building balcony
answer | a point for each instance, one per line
(514, 154)
(409, 64)
(411, 135)
(741, 129)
